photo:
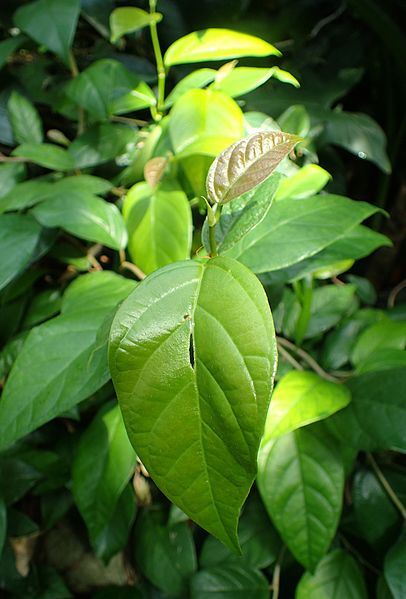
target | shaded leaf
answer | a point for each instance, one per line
(394, 568)
(100, 144)
(47, 155)
(231, 580)
(19, 236)
(25, 120)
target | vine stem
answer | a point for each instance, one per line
(386, 485)
(289, 358)
(212, 239)
(282, 342)
(124, 264)
(158, 59)
(276, 578)
(75, 72)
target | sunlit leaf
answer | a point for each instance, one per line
(129, 19)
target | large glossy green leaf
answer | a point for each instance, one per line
(86, 216)
(301, 480)
(337, 575)
(247, 163)
(106, 88)
(129, 19)
(308, 226)
(358, 133)
(182, 362)
(19, 236)
(301, 398)
(51, 23)
(216, 44)
(165, 554)
(196, 79)
(394, 568)
(242, 80)
(101, 143)
(47, 155)
(387, 334)
(204, 122)
(376, 416)
(25, 120)
(68, 367)
(231, 580)
(98, 484)
(159, 225)
(308, 181)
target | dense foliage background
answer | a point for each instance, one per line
(82, 118)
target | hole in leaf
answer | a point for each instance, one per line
(191, 352)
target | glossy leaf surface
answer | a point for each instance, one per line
(50, 22)
(25, 120)
(98, 484)
(247, 163)
(337, 575)
(215, 392)
(301, 481)
(242, 80)
(232, 580)
(86, 216)
(301, 398)
(216, 44)
(47, 155)
(77, 369)
(129, 19)
(19, 235)
(159, 224)
(308, 181)
(307, 225)
(394, 568)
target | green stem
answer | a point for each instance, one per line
(212, 239)
(384, 482)
(159, 61)
(75, 72)
(305, 313)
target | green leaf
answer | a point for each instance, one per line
(100, 144)
(196, 79)
(301, 398)
(85, 216)
(25, 120)
(295, 120)
(159, 224)
(114, 536)
(83, 183)
(384, 358)
(243, 214)
(381, 335)
(247, 163)
(19, 236)
(47, 155)
(307, 225)
(106, 88)
(43, 306)
(8, 46)
(204, 122)
(330, 304)
(26, 194)
(210, 371)
(301, 480)
(359, 134)
(231, 580)
(165, 554)
(375, 515)
(376, 416)
(394, 568)
(67, 369)
(11, 173)
(128, 19)
(51, 23)
(216, 44)
(308, 181)
(242, 80)
(337, 575)
(98, 484)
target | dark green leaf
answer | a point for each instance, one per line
(61, 350)
(83, 183)
(19, 236)
(216, 392)
(394, 568)
(337, 575)
(165, 554)
(246, 163)
(51, 23)
(47, 155)
(100, 144)
(301, 398)
(229, 581)
(85, 216)
(382, 335)
(159, 225)
(25, 120)
(26, 194)
(43, 306)
(216, 44)
(8, 46)
(3, 523)
(301, 480)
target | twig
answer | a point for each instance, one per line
(285, 354)
(133, 268)
(386, 485)
(395, 292)
(276, 578)
(308, 359)
(4, 158)
(129, 121)
(359, 557)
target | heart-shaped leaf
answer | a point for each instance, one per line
(192, 356)
(246, 163)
